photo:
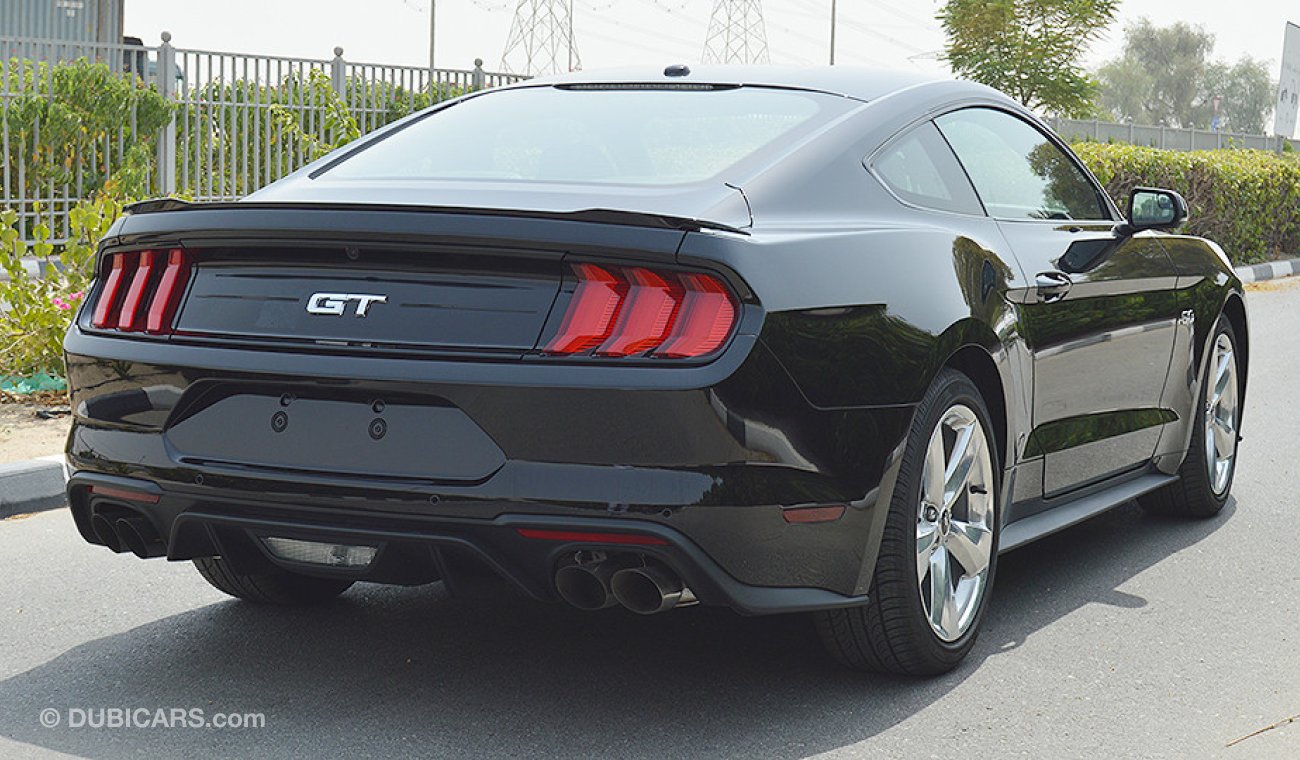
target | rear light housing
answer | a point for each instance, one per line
(618, 312)
(141, 291)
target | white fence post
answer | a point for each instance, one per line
(338, 73)
(167, 138)
(478, 79)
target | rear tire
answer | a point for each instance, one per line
(941, 525)
(1205, 477)
(275, 586)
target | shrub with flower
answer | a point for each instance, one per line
(35, 311)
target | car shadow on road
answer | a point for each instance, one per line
(390, 671)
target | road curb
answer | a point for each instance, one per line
(34, 485)
(1268, 271)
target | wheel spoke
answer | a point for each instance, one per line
(1222, 376)
(941, 591)
(932, 480)
(951, 616)
(971, 546)
(927, 535)
(964, 452)
(1223, 438)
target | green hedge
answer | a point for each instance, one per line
(1248, 201)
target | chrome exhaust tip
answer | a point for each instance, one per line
(582, 589)
(650, 589)
(585, 585)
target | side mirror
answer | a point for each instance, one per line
(1151, 208)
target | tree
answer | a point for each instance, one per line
(1159, 74)
(1029, 49)
(1165, 77)
(1247, 92)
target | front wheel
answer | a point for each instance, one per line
(939, 548)
(1205, 477)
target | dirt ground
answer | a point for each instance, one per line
(23, 435)
(1285, 283)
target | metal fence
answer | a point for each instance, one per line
(203, 124)
(1165, 138)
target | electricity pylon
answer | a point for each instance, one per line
(541, 39)
(736, 33)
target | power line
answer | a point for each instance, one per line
(736, 33)
(635, 37)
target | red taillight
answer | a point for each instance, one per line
(170, 289)
(635, 311)
(109, 294)
(705, 322)
(131, 317)
(135, 298)
(590, 317)
(646, 316)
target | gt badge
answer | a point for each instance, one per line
(336, 304)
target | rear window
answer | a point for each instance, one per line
(647, 136)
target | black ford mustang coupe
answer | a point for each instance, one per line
(821, 341)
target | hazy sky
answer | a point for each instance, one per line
(621, 32)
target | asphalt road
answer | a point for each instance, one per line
(1128, 636)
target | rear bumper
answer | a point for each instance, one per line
(420, 549)
(709, 459)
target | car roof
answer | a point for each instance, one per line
(856, 82)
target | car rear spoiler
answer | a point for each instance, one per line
(595, 215)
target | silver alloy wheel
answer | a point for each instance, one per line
(954, 524)
(1221, 414)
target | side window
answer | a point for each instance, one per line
(920, 169)
(1017, 171)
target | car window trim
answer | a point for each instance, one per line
(870, 164)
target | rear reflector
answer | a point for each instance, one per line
(634, 311)
(591, 538)
(122, 493)
(813, 514)
(141, 293)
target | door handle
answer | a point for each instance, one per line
(1052, 286)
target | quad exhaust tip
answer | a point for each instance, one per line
(595, 582)
(127, 531)
(585, 584)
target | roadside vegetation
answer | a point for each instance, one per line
(1247, 201)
